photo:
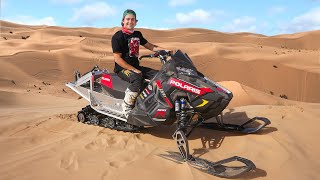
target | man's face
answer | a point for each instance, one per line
(129, 21)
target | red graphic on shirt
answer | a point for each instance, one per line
(134, 47)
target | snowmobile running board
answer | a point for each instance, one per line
(241, 128)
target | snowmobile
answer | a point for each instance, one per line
(178, 93)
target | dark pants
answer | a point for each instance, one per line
(136, 79)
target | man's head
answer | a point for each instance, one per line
(129, 20)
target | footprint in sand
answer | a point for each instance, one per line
(118, 142)
(69, 162)
(116, 164)
(112, 165)
(97, 144)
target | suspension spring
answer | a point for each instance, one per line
(180, 108)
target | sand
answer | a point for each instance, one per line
(275, 77)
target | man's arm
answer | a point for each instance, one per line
(123, 63)
(153, 47)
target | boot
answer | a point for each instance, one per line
(128, 101)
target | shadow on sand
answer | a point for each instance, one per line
(211, 138)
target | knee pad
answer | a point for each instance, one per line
(136, 81)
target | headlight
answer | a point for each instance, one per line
(187, 71)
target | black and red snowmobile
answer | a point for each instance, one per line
(178, 93)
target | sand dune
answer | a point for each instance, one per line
(276, 77)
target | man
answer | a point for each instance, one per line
(125, 46)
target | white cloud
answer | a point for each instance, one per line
(197, 16)
(305, 22)
(29, 20)
(155, 28)
(2, 4)
(66, 1)
(276, 10)
(93, 12)
(243, 24)
(174, 3)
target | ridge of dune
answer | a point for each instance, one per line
(14, 25)
(305, 40)
(302, 41)
(243, 95)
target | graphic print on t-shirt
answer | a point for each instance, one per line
(134, 47)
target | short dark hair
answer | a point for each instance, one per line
(129, 11)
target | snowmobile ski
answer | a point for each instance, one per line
(220, 125)
(214, 168)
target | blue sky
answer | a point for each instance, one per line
(269, 17)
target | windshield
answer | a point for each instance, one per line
(182, 64)
(180, 56)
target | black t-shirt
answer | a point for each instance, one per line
(128, 46)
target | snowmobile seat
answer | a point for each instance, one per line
(118, 86)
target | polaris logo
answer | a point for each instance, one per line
(184, 86)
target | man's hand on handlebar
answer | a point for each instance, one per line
(165, 52)
(158, 53)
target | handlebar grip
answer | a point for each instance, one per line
(157, 54)
(95, 67)
(145, 56)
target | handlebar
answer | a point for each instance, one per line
(146, 56)
(162, 54)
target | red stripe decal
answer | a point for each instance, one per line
(168, 102)
(189, 87)
(159, 84)
(163, 94)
